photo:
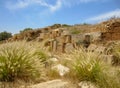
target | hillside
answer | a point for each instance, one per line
(60, 37)
(63, 56)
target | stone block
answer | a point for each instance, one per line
(54, 46)
(68, 39)
(86, 84)
(69, 47)
(62, 70)
(51, 84)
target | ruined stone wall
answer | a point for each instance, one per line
(107, 36)
(110, 30)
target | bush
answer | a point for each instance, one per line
(5, 35)
(26, 29)
(66, 25)
(88, 66)
(17, 60)
(75, 31)
(42, 56)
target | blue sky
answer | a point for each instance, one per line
(15, 15)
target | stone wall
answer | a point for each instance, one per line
(107, 36)
(110, 30)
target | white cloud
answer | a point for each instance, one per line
(25, 3)
(86, 1)
(104, 16)
(51, 7)
(74, 2)
(58, 4)
(18, 5)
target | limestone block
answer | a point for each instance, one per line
(54, 46)
(63, 39)
(69, 47)
(68, 39)
(86, 84)
(60, 47)
(42, 35)
(51, 84)
(61, 69)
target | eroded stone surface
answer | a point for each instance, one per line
(86, 84)
(51, 84)
(62, 70)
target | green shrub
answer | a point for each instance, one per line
(26, 29)
(88, 67)
(43, 57)
(75, 31)
(17, 60)
(5, 35)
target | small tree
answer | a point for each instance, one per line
(5, 35)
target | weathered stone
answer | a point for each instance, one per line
(39, 39)
(55, 33)
(100, 49)
(87, 41)
(86, 84)
(61, 69)
(92, 47)
(51, 84)
(65, 32)
(60, 47)
(51, 44)
(95, 36)
(54, 46)
(63, 47)
(42, 35)
(68, 39)
(46, 35)
(63, 39)
(69, 47)
(76, 38)
(54, 59)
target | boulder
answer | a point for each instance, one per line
(54, 59)
(86, 84)
(62, 70)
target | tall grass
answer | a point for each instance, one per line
(116, 54)
(88, 66)
(18, 61)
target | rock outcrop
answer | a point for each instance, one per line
(51, 84)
